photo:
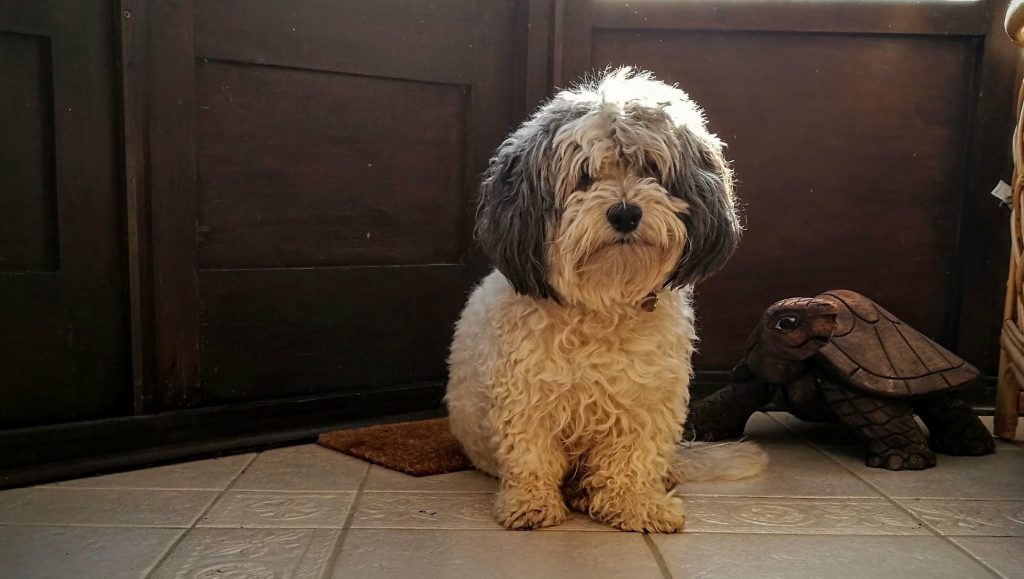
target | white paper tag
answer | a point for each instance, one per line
(1003, 192)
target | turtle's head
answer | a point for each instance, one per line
(795, 329)
(790, 332)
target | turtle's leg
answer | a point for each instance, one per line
(894, 439)
(953, 427)
(724, 414)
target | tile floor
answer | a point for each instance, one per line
(306, 512)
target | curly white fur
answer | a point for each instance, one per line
(566, 389)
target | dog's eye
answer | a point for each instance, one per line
(651, 169)
(585, 181)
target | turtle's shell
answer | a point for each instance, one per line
(874, 351)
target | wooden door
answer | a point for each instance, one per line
(848, 124)
(63, 354)
(311, 169)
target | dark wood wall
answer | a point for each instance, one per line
(246, 221)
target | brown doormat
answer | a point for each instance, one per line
(420, 448)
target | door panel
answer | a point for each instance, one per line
(430, 41)
(341, 180)
(313, 166)
(267, 333)
(61, 272)
(28, 242)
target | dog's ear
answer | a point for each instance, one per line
(515, 203)
(703, 179)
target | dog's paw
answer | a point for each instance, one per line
(654, 517)
(522, 510)
(649, 513)
(674, 478)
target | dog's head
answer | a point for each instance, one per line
(610, 191)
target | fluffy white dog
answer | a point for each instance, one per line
(570, 365)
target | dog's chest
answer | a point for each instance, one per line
(577, 358)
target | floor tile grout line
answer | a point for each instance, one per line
(138, 488)
(611, 531)
(339, 544)
(167, 553)
(935, 532)
(784, 497)
(984, 564)
(227, 487)
(68, 483)
(96, 525)
(287, 492)
(659, 559)
(185, 532)
(961, 499)
(895, 503)
(428, 492)
(833, 459)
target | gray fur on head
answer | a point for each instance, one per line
(703, 179)
(517, 204)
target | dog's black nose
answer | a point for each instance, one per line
(624, 217)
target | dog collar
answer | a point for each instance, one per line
(649, 303)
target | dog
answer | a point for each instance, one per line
(570, 364)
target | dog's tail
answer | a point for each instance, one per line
(704, 461)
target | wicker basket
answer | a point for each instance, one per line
(1009, 402)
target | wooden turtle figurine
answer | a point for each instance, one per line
(842, 357)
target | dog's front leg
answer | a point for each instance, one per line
(625, 486)
(531, 464)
